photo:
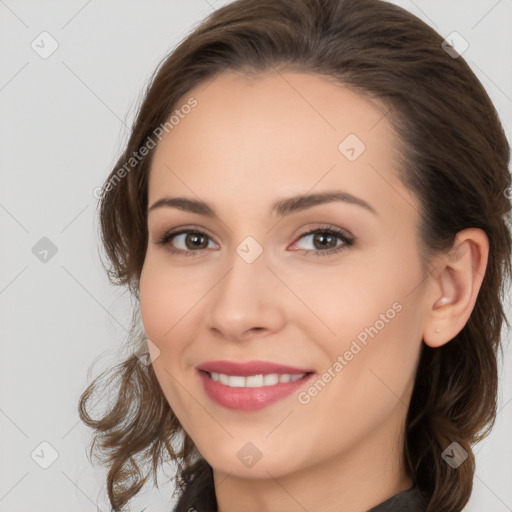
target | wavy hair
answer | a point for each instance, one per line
(454, 157)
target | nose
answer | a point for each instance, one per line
(247, 301)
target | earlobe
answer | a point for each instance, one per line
(441, 302)
(455, 287)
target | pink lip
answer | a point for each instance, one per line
(249, 399)
(250, 368)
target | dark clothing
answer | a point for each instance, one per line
(410, 500)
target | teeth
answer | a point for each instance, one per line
(254, 381)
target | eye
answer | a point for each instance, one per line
(327, 239)
(190, 240)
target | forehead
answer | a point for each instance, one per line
(274, 134)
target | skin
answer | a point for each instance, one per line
(248, 142)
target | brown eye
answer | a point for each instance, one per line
(185, 241)
(195, 241)
(325, 241)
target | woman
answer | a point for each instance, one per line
(277, 132)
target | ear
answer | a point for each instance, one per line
(455, 283)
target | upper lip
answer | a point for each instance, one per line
(249, 368)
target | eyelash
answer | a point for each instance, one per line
(347, 241)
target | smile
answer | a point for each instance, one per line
(251, 392)
(254, 381)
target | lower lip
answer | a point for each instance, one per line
(249, 399)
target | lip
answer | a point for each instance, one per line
(250, 368)
(249, 399)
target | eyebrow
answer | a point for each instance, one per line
(281, 207)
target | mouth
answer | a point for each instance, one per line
(251, 392)
(255, 381)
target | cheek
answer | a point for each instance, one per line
(372, 303)
(158, 309)
(152, 306)
(165, 297)
(345, 300)
(163, 309)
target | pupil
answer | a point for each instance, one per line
(194, 237)
(323, 236)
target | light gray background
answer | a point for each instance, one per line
(64, 121)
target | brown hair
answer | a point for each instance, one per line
(454, 157)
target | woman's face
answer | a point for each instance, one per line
(255, 286)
